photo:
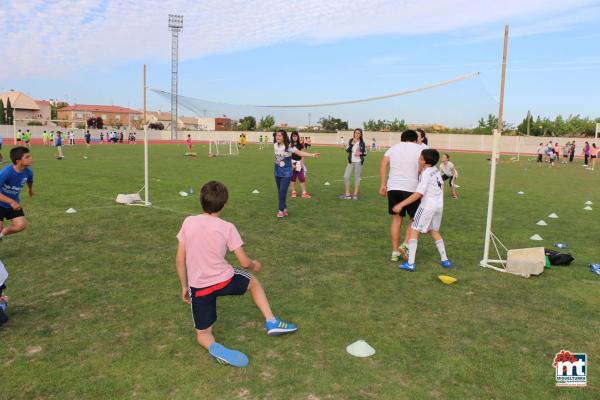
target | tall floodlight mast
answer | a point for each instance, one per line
(175, 26)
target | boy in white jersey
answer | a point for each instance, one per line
(428, 219)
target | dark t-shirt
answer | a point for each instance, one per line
(296, 157)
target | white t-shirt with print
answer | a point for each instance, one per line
(431, 187)
(404, 166)
(447, 169)
(355, 149)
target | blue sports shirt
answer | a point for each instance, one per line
(11, 183)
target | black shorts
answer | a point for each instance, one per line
(9, 213)
(395, 197)
(446, 177)
(204, 307)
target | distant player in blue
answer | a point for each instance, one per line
(12, 179)
(58, 146)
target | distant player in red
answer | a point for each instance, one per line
(189, 143)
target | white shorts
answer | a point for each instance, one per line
(427, 219)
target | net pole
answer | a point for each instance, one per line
(146, 180)
(496, 141)
(14, 121)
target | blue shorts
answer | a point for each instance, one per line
(204, 300)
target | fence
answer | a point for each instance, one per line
(442, 141)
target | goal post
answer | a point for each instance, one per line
(223, 144)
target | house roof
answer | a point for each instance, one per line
(19, 101)
(42, 102)
(99, 108)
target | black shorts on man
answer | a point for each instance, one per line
(9, 213)
(204, 300)
(395, 197)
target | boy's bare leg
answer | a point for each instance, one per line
(260, 298)
(205, 337)
(395, 228)
(17, 225)
(408, 233)
(435, 235)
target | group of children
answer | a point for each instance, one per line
(414, 187)
(553, 152)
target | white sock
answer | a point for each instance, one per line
(412, 250)
(440, 246)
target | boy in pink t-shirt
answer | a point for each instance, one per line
(205, 274)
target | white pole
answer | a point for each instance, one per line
(14, 128)
(496, 141)
(146, 180)
(518, 148)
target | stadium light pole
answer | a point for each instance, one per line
(175, 26)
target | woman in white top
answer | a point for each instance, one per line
(357, 150)
(449, 173)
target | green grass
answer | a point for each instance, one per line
(95, 309)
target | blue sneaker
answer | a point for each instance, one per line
(408, 267)
(278, 327)
(446, 264)
(226, 356)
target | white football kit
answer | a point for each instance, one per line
(429, 213)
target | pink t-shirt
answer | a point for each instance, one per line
(206, 241)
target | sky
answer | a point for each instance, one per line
(283, 52)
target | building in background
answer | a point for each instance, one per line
(26, 108)
(112, 116)
(190, 123)
(214, 124)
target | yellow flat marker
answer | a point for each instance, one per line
(448, 280)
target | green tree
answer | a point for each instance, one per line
(267, 122)
(247, 123)
(54, 107)
(9, 112)
(397, 125)
(2, 113)
(333, 124)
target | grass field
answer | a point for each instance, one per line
(96, 314)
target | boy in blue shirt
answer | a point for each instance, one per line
(12, 179)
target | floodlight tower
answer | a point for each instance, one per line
(175, 26)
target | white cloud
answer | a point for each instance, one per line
(54, 37)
